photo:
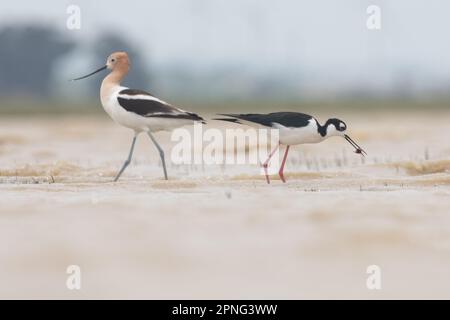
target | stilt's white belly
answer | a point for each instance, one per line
(303, 135)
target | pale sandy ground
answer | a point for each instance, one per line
(221, 232)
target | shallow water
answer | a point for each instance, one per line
(221, 231)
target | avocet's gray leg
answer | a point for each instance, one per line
(127, 162)
(161, 154)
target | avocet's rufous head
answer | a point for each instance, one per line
(117, 61)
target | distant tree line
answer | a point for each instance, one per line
(28, 55)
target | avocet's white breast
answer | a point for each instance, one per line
(119, 114)
(109, 99)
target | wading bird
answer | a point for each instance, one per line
(294, 128)
(137, 109)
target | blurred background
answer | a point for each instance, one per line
(211, 54)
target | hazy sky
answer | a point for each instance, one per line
(315, 37)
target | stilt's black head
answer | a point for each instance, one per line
(336, 127)
(339, 125)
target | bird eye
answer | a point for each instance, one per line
(113, 60)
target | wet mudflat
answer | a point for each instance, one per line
(221, 231)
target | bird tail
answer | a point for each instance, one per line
(196, 117)
(232, 120)
(228, 120)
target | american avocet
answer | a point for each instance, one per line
(294, 128)
(137, 109)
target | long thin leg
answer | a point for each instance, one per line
(127, 162)
(161, 154)
(266, 163)
(282, 165)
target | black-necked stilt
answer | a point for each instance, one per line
(137, 109)
(294, 128)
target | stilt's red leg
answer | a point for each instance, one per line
(282, 165)
(266, 164)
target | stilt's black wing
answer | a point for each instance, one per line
(286, 119)
(144, 104)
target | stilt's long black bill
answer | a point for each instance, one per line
(355, 145)
(90, 74)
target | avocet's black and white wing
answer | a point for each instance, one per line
(144, 104)
(274, 119)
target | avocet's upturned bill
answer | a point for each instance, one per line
(137, 109)
(294, 128)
